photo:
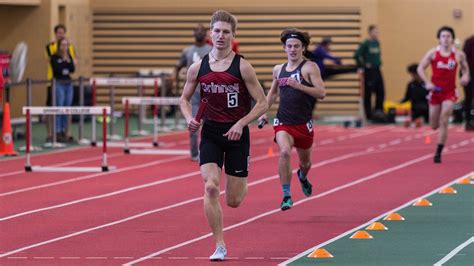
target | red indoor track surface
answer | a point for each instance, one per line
(151, 206)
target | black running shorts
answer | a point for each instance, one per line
(215, 148)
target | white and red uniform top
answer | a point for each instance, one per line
(444, 71)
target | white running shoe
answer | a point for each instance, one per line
(219, 254)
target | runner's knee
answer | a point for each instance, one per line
(285, 153)
(235, 200)
(211, 190)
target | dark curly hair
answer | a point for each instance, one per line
(300, 35)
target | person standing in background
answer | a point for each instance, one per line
(191, 55)
(51, 49)
(63, 65)
(369, 61)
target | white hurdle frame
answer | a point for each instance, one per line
(113, 82)
(127, 101)
(85, 110)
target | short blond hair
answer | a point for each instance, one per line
(224, 16)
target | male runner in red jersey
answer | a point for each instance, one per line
(299, 84)
(444, 60)
(228, 82)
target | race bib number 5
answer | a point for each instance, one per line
(232, 100)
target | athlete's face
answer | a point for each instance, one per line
(294, 49)
(222, 35)
(445, 38)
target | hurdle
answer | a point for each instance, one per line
(127, 101)
(86, 110)
(113, 82)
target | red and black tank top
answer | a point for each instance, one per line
(226, 93)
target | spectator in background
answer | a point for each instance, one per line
(323, 52)
(190, 55)
(369, 61)
(63, 65)
(417, 95)
(51, 49)
(469, 88)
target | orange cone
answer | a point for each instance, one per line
(361, 234)
(270, 152)
(394, 216)
(448, 190)
(464, 181)
(377, 226)
(6, 142)
(320, 253)
(422, 203)
(427, 139)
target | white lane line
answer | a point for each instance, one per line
(119, 191)
(94, 175)
(73, 148)
(167, 180)
(171, 179)
(373, 131)
(454, 252)
(331, 191)
(408, 203)
(339, 158)
(110, 155)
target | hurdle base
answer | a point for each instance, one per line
(66, 169)
(32, 148)
(28, 168)
(85, 142)
(54, 145)
(93, 144)
(155, 144)
(140, 133)
(158, 152)
(114, 137)
(126, 151)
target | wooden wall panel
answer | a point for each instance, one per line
(125, 41)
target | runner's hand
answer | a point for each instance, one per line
(193, 125)
(235, 132)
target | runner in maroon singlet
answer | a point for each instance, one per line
(444, 60)
(229, 83)
(299, 84)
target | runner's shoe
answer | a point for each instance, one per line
(219, 254)
(286, 203)
(305, 185)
